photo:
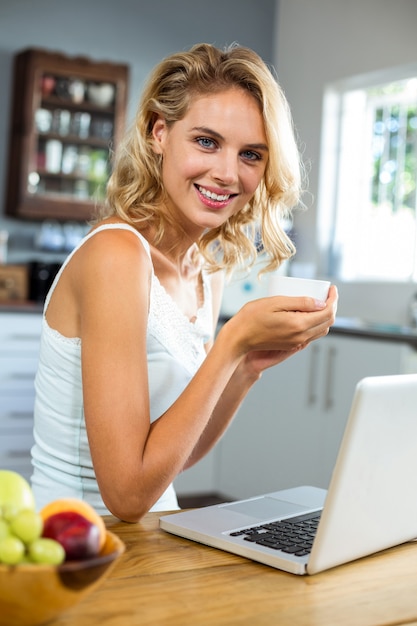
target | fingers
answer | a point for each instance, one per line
(305, 303)
(333, 298)
(323, 321)
(320, 316)
(283, 322)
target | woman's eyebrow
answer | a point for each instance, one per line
(258, 146)
(207, 131)
(213, 133)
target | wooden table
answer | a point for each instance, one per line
(165, 580)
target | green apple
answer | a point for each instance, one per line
(15, 493)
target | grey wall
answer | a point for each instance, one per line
(137, 32)
(319, 42)
(322, 41)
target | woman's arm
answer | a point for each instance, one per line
(134, 460)
(249, 371)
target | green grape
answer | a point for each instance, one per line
(46, 551)
(4, 529)
(27, 525)
(12, 550)
(10, 511)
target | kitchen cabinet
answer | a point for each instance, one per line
(68, 113)
(289, 428)
(19, 350)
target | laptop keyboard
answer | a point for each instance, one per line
(293, 536)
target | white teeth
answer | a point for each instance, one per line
(212, 195)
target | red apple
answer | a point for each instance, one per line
(79, 537)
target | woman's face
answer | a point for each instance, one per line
(213, 159)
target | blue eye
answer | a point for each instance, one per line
(251, 156)
(205, 142)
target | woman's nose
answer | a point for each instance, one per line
(226, 168)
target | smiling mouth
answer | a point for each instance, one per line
(214, 196)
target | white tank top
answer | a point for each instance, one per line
(62, 465)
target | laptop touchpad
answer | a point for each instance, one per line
(265, 508)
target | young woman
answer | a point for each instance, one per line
(132, 388)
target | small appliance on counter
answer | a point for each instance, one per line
(14, 282)
(41, 276)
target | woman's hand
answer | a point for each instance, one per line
(263, 333)
(273, 329)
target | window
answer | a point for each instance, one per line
(368, 176)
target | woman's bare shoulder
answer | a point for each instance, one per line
(110, 263)
(113, 247)
(106, 269)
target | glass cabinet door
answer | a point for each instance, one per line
(68, 115)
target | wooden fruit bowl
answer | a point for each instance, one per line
(31, 595)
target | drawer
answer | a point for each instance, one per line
(17, 323)
(20, 463)
(17, 372)
(20, 332)
(12, 345)
(16, 405)
(19, 422)
(15, 442)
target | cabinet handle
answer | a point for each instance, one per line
(312, 379)
(24, 337)
(21, 376)
(16, 454)
(19, 415)
(328, 397)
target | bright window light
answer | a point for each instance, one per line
(368, 177)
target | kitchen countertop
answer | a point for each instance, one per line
(166, 580)
(344, 326)
(356, 327)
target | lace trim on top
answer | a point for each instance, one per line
(55, 334)
(183, 339)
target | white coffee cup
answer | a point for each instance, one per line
(294, 286)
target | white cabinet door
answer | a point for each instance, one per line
(345, 362)
(271, 441)
(202, 478)
(289, 428)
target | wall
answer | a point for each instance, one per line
(137, 32)
(320, 41)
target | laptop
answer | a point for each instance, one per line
(370, 505)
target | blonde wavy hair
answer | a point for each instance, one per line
(135, 190)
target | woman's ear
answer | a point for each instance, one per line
(158, 133)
